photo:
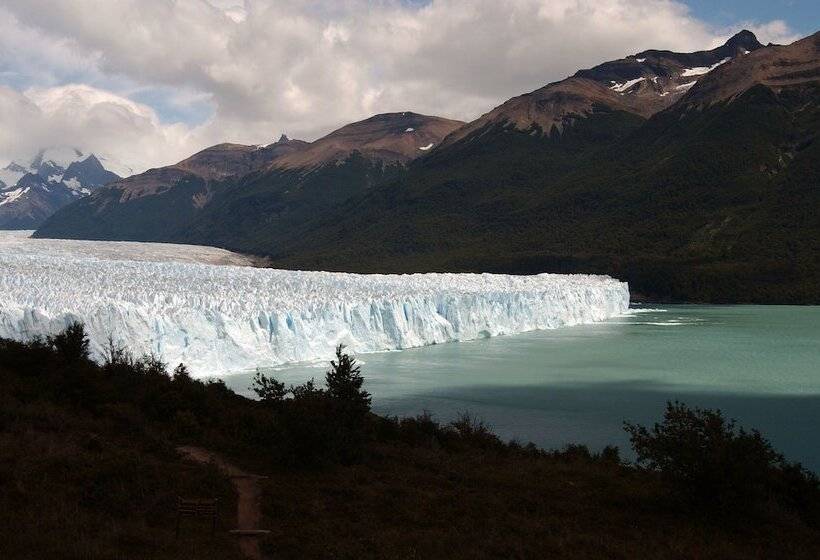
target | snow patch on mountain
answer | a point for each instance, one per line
(221, 319)
(622, 87)
(115, 166)
(10, 196)
(701, 70)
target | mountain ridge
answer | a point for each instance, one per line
(581, 175)
(643, 84)
(369, 150)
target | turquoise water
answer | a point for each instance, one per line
(759, 364)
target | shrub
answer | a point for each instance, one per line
(116, 356)
(181, 374)
(268, 389)
(305, 391)
(421, 430)
(708, 462)
(575, 452)
(610, 454)
(72, 343)
(473, 432)
(152, 365)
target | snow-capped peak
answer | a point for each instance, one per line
(51, 179)
(10, 174)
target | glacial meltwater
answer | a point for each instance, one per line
(759, 364)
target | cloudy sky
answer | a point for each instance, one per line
(149, 82)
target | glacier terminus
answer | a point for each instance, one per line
(207, 308)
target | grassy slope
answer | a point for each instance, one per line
(412, 502)
(88, 470)
(75, 485)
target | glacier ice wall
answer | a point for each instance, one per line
(221, 319)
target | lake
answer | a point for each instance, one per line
(759, 364)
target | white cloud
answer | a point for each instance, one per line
(306, 67)
(90, 119)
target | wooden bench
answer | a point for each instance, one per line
(197, 508)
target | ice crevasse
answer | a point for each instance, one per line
(221, 319)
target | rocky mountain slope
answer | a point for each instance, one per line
(643, 84)
(55, 177)
(388, 138)
(226, 193)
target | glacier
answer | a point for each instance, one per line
(197, 306)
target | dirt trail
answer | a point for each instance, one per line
(248, 514)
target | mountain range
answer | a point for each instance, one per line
(693, 176)
(232, 194)
(53, 178)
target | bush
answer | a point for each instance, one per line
(72, 343)
(307, 390)
(708, 462)
(420, 430)
(268, 389)
(574, 452)
(151, 364)
(473, 432)
(117, 356)
(181, 374)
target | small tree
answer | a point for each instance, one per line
(72, 343)
(116, 355)
(268, 389)
(181, 374)
(707, 461)
(151, 364)
(307, 390)
(344, 382)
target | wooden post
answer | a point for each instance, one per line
(197, 508)
(213, 519)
